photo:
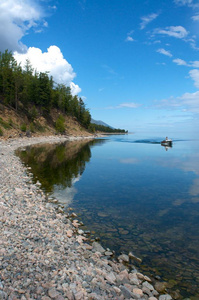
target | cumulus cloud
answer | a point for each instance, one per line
(147, 19)
(194, 74)
(51, 61)
(164, 52)
(174, 31)
(18, 17)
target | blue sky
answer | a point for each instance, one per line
(135, 63)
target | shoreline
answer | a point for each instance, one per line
(44, 254)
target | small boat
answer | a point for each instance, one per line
(167, 142)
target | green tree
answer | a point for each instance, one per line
(45, 85)
(7, 64)
(59, 125)
(18, 84)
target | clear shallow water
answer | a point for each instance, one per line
(135, 196)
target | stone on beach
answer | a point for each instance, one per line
(97, 247)
(124, 258)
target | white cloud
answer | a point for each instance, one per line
(195, 18)
(180, 62)
(51, 61)
(174, 31)
(188, 102)
(164, 52)
(183, 2)
(125, 105)
(17, 17)
(75, 89)
(191, 3)
(129, 105)
(147, 19)
(129, 39)
(195, 64)
(129, 36)
(194, 74)
(191, 100)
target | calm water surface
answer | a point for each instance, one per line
(135, 196)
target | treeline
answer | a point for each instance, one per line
(102, 128)
(29, 91)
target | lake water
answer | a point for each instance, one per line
(135, 195)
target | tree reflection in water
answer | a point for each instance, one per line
(57, 164)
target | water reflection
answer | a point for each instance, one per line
(166, 147)
(135, 196)
(58, 166)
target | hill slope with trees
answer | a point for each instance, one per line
(36, 102)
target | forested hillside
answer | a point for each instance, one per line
(33, 95)
(107, 129)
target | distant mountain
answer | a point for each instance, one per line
(98, 122)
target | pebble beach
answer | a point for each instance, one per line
(44, 253)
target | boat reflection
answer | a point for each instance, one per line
(167, 147)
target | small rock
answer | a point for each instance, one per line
(2, 295)
(147, 291)
(111, 277)
(73, 215)
(97, 247)
(19, 191)
(148, 285)
(147, 278)
(124, 258)
(53, 293)
(165, 297)
(108, 253)
(126, 292)
(69, 233)
(75, 223)
(132, 256)
(133, 279)
(160, 286)
(79, 295)
(138, 291)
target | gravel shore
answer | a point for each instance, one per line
(44, 254)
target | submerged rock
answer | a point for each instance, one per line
(160, 286)
(132, 256)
